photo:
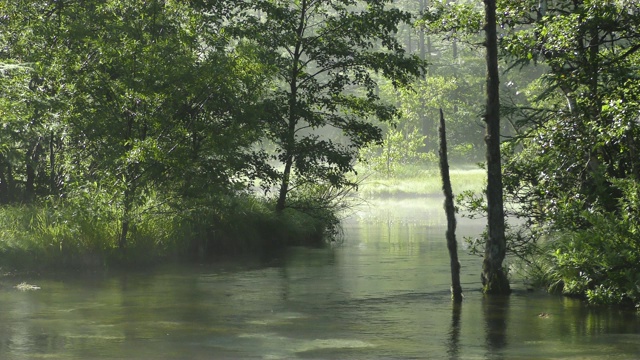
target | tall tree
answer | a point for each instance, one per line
(165, 104)
(31, 33)
(588, 100)
(125, 99)
(326, 54)
(573, 169)
(132, 61)
(494, 278)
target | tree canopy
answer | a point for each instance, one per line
(127, 108)
(325, 55)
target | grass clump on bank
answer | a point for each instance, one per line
(63, 235)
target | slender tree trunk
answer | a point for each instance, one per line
(53, 186)
(494, 279)
(32, 159)
(29, 185)
(4, 185)
(284, 185)
(126, 218)
(289, 147)
(452, 245)
(129, 184)
(292, 121)
(124, 232)
(126, 214)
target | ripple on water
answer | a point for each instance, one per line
(283, 347)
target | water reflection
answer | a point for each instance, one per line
(383, 294)
(496, 315)
(453, 347)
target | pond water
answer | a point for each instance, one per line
(383, 294)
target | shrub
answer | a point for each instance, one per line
(600, 263)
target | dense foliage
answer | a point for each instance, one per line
(577, 173)
(571, 165)
(163, 128)
(326, 55)
(129, 125)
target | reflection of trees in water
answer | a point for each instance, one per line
(496, 313)
(453, 346)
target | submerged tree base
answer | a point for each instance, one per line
(495, 284)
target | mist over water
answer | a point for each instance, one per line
(383, 293)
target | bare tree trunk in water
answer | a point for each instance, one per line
(452, 245)
(494, 279)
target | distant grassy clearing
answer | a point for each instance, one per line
(421, 182)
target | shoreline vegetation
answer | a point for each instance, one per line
(63, 237)
(41, 237)
(140, 139)
(59, 235)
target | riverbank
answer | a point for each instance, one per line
(384, 294)
(60, 236)
(85, 235)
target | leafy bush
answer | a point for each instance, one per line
(601, 262)
(594, 253)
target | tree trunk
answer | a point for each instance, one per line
(124, 233)
(284, 185)
(291, 139)
(452, 245)
(129, 183)
(494, 279)
(29, 184)
(4, 183)
(53, 186)
(32, 159)
(292, 121)
(123, 239)
(127, 208)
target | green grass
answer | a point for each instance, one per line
(417, 181)
(83, 232)
(66, 236)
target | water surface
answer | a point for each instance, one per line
(383, 294)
